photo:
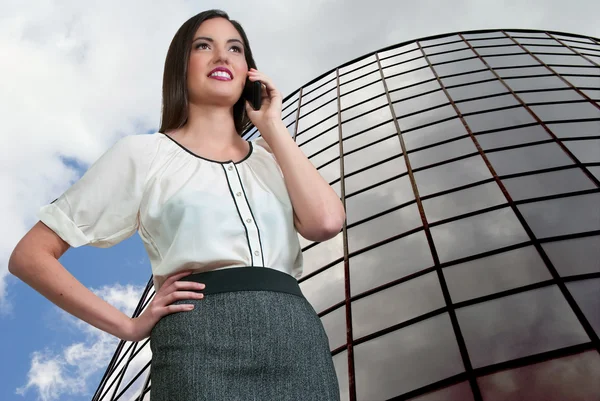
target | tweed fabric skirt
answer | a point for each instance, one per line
(253, 337)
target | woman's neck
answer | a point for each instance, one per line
(213, 126)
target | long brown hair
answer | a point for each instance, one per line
(174, 89)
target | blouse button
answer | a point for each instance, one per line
(256, 253)
(239, 194)
(248, 221)
(230, 168)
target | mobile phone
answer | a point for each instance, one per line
(253, 93)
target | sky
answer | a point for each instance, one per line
(76, 76)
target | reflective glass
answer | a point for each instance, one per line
(495, 273)
(515, 136)
(378, 199)
(372, 154)
(545, 184)
(340, 363)
(384, 227)
(407, 359)
(585, 151)
(503, 50)
(523, 71)
(548, 49)
(433, 134)
(330, 172)
(549, 96)
(440, 57)
(573, 378)
(491, 42)
(440, 153)
(358, 72)
(396, 304)
(405, 66)
(426, 117)
(463, 201)
(575, 256)
(367, 121)
(439, 42)
(476, 90)
(518, 35)
(457, 44)
(419, 103)
(563, 216)
(510, 60)
(483, 35)
(586, 293)
(326, 288)
(570, 130)
(488, 103)
(457, 392)
(584, 82)
(530, 83)
(357, 64)
(368, 79)
(353, 98)
(477, 234)
(312, 131)
(389, 262)
(365, 107)
(316, 89)
(472, 64)
(519, 325)
(529, 158)
(319, 143)
(566, 111)
(563, 59)
(451, 175)
(410, 78)
(370, 136)
(399, 56)
(467, 78)
(595, 170)
(399, 50)
(334, 324)
(322, 254)
(327, 100)
(498, 119)
(328, 154)
(415, 90)
(536, 41)
(375, 174)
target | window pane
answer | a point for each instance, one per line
(552, 183)
(334, 324)
(384, 227)
(515, 136)
(440, 57)
(530, 158)
(398, 50)
(584, 70)
(586, 151)
(464, 201)
(340, 362)
(522, 72)
(367, 121)
(477, 234)
(485, 35)
(419, 103)
(457, 45)
(563, 216)
(372, 154)
(328, 154)
(510, 61)
(325, 112)
(575, 256)
(495, 273)
(325, 289)
(519, 325)
(487, 103)
(366, 107)
(570, 130)
(536, 41)
(402, 94)
(530, 83)
(476, 90)
(376, 174)
(323, 254)
(368, 137)
(498, 119)
(586, 293)
(364, 70)
(315, 90)
(330, 172)
(358, 64)
(472, 64)
(325, 126)
(563, 59)
(457, 392)
(433, 134)
(396, 304)
(573, 378)
(467, 78)
(548, 49)
(549, 96)
(518, 35)
(378, 199)
(392, 68)
(595, 170)
(399, 56)
(491, 42)
(365, 93)
(327, 97)
(592, 81)
(411, 78)
(442, 152)
(319, 143)
(490, 51)
(406, 359)
(370, 78)
(451, 175)
(392, 261)
(426, 117)
(439, 42)
(565, 111)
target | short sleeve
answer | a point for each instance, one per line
(101, 209)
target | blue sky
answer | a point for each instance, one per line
(84, 74)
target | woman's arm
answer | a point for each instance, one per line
(35, 261)
(318, 211)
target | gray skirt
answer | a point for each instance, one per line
(253, 337)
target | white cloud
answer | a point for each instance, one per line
(68, 372)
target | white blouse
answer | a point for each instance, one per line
(191, 212)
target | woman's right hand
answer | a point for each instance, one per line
(172, 290)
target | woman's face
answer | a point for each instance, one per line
(217, 68)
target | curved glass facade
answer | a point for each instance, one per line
(469, 266)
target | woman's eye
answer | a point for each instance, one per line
(201, 45)
(237, 49)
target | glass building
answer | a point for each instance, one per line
(469, 266)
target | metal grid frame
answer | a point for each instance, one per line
(582, 47)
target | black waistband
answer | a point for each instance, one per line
(250, 278)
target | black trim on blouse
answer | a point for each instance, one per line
(262, 254)
(239, 214)
(209, 160)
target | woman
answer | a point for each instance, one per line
(219, 217)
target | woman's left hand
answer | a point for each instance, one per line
(270, 109)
